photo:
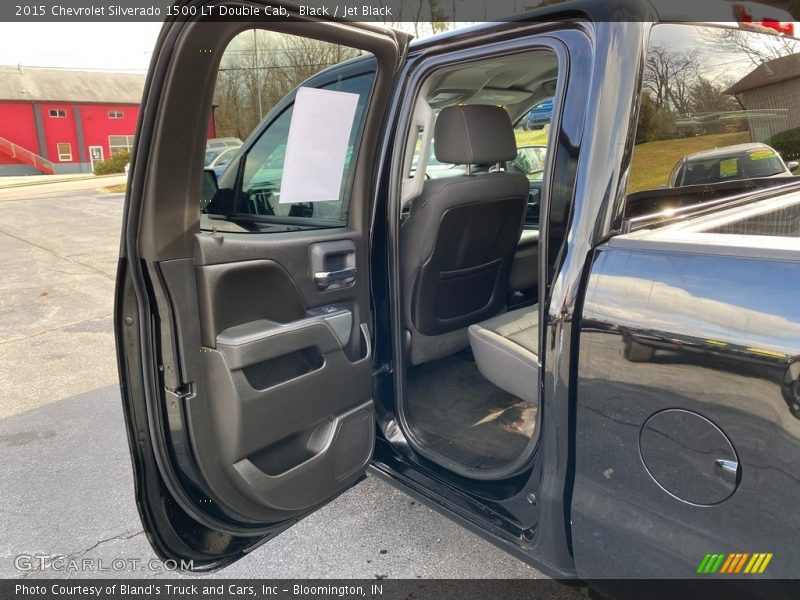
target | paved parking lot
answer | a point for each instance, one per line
(66, 479)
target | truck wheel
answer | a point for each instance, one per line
(636, 352)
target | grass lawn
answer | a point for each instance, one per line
(653, 161)
(531, 138)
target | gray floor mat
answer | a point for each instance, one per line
(455, 411)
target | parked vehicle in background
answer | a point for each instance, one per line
(340, 307)
(741, 161)
(539, 116)
(223, 142)
(221, 160)
(215, 155)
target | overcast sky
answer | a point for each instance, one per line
(124, 47)
(106, 46)
(121, 46)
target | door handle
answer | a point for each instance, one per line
(326, 278)
(731, 466)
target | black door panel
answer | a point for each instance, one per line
(248, 277)
(241, 292)
(245, 351)
(288, 368)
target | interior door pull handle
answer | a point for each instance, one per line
(731, 466)
(326, 278)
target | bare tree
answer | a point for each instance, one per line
(417, 17)
(708, 96)
(669, 76)
(257, 72)
(756, 48)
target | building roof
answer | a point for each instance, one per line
(772, 71)
(59, 85)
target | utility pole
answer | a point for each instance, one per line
(258, 74)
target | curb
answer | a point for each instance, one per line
(56, 180)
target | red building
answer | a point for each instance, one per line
(59, 121)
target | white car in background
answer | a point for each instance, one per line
(740, 161)
(223, 142)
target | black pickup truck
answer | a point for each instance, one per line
(607, 389)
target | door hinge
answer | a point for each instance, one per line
(383, 369)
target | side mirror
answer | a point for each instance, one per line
(793, 165)
(209, 187)
(530, 160)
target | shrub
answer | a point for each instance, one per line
(115, 164)
(787, 143)
(654, 123)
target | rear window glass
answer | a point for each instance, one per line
(720, 110)
(264, 187)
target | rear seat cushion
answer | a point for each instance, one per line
(506, 349)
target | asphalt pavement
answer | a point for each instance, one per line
(67, 487)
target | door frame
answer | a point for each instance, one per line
(154, 197)
(538, 531)
(538, 40)
(91, 157)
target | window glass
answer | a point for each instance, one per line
(120, 143)
(532, 132)
(720, 114)
(212, 154)
(274, 65)
(64, 152)
(415, 158)
(263, 167)
(58, 113)
(225, 157)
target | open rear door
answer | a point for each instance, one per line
(243, 313)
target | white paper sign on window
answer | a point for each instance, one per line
(317, 146)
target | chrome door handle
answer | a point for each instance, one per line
(731, 466)
(326, 278)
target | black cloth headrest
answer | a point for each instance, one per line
(474, 134)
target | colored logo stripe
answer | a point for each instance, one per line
(737, 562)
(716, 564)
(758, 563)
(764, 564)
(710, 563)
(703, 564)
(740, 564)
(727, 564)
